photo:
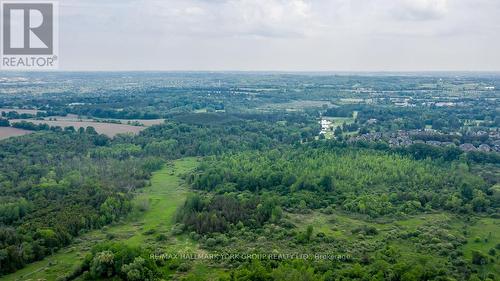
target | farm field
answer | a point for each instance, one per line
(7, 132)
(165, 194)
(109, 129)
(76, 118)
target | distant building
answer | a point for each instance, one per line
(325, 125)
(445, 104)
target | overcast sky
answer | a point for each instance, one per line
(288, 35)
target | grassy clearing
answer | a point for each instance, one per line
(165, 194)
(483, 236)
(336, 225)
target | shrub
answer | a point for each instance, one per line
(492, 252)
(102, 265)
(138, 270)
(479, 258)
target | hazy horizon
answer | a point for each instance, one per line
(279, 35)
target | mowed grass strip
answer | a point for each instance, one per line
(165, 194)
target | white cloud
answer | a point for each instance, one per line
(239, 18)
(281, 34)
(421, 9)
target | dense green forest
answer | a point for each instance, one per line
(250, 177)
(52, 191)
(361, 181)
(58, 183)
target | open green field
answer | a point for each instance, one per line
(483, 236)
(165, 194)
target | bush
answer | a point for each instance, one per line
(142, 205)
(150, 231)
(184, 267)
(492, 252)
(138, 270)
(211, 242)
(108, 260)
(367, 230)
(161, 237)
(479, 258)
(102, 265)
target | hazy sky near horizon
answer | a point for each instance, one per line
(288, 35)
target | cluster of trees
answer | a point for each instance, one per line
(179, 139)
(221, 212)
(343, 111)
(420, 151)
(13, 114)
(356, 180)
(118, 260)
(35, 127)
(16, 115)
(13, 208)
(128, 113)
(4, 122)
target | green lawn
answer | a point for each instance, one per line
(166, 193)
